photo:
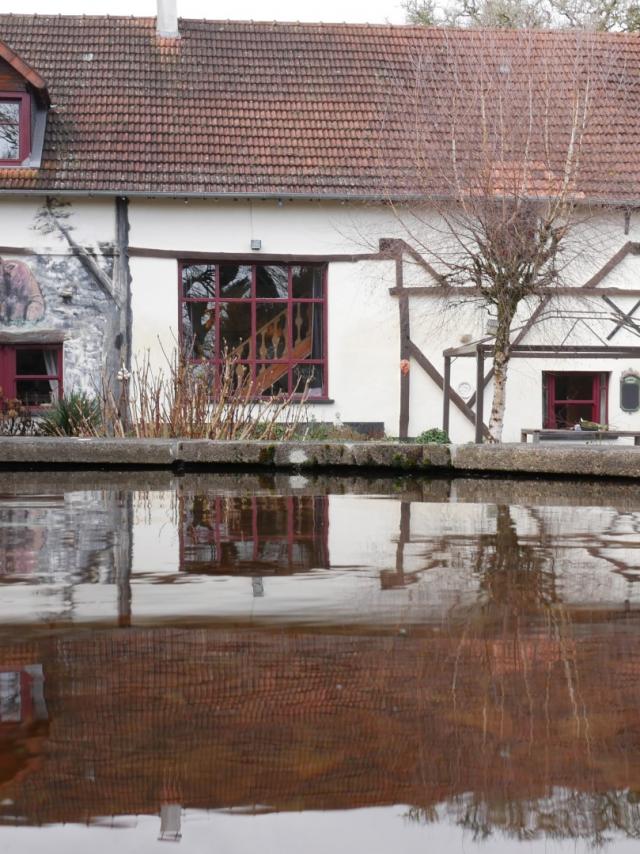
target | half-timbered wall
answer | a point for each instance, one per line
(377, 309)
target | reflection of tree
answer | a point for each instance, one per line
(516, 576)
(565, 814)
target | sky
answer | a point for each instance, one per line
(371, 11)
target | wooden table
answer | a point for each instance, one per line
(538, 433)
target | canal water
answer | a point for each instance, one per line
(283, 664)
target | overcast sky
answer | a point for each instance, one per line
(372, 11)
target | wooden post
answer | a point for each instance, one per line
(405, 338)
(479, 393)
(446, 394)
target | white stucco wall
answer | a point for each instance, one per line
(363, 318)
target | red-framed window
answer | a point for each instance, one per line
(574, 395)
(259, 535)
(15, 127)
(271, 317)
(32, 373)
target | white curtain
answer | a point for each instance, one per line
(51, 364)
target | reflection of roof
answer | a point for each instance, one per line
(303, 109)
(215, 718)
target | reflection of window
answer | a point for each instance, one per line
(257, 535)
(32, 373)
(14, 128)
(270, 317)
(10, 697)
(573, 396)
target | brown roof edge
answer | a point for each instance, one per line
(24, 70)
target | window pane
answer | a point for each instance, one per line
(199, 281)
(9, 112)
(235, 328)
(311, 374)
(9, 130)
(271, 330)
(272, 379)
(235, 281)
(306, 282)
(198, 329)
(574, 387)
(272, 282)
(307, 331)
(568, 415)
(44, 362)
(36, 392)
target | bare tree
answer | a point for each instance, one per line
(598, 15)
(498, 130)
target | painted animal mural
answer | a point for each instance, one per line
(20, 295)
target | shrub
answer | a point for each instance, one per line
(197, 400)
(77, 414)
(433, 436)
(15, 419)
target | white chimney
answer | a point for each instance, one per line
(167, 20)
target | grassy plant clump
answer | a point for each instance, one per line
(76, 414)
(433, 436)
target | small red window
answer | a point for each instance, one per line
(574, 396)
(32, 373)
(15, 128)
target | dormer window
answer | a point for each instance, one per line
(14, 128)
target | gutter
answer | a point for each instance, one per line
(623, 204)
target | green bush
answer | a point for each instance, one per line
(77, 414)
(433, 436)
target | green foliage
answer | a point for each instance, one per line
(322, 431)
(433, 436)
(77, 414)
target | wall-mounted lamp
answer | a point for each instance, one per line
(256, 245)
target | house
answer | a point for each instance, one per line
(168, 183)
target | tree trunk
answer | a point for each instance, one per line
(501, 358)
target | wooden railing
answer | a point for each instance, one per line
(271, 343)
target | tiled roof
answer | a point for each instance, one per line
(286, 109)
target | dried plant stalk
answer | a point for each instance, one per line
(195, 400)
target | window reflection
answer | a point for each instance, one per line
(269, 534)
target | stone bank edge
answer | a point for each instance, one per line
(593, 461)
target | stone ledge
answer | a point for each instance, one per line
(583, 461)
(605, 461)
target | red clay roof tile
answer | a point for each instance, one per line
(269, 108)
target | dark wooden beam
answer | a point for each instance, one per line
(629, 248)
(576, 291)
(436, 376)
(625, 317)
(479, 393)
(446, 398)
(545, 351)
(254, 258)
(405, 353)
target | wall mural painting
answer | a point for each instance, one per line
(20, 295)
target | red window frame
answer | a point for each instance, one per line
(24, 126)
(217, 533)
(8, 369)
(289, 302)
(597, 401)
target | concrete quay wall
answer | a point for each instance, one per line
(177, 454)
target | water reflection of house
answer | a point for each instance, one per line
(23, 716)
(43, 542)
(255, 535)
(303, 720)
